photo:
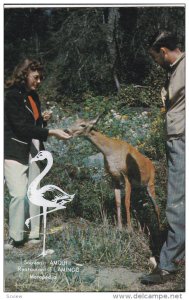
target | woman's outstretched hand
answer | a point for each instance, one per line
(59, 133)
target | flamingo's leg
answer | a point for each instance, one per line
(28, 220)
(44, 227)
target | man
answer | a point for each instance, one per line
(165, 52)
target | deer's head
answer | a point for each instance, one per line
(81, 127)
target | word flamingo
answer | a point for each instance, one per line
(36, 195)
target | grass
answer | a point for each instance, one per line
(99, 244)
(82, 249)
(79, 244)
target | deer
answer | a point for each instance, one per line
(123, 162)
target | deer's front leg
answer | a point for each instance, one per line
(118, 206)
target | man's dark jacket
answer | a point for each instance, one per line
(20, 126)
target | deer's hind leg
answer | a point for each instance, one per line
(151, 192)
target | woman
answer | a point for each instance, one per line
(24, 134)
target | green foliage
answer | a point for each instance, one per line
(138, 96)
(154, 146)
(117, 49)
(96, 104)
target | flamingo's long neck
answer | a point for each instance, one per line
(37, 180)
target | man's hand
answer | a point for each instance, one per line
(59, 133)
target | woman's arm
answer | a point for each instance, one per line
(23, 124)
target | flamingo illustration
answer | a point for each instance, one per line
(36, 195)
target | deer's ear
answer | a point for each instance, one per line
(95, 121)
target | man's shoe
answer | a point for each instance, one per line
(158, 276)
(10, 244)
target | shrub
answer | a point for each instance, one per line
(154, 146)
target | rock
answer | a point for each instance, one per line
(108, 279)
(96, 160)
(10, 268)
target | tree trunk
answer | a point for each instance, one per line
(112, 24)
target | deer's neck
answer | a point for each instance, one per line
(102, 142)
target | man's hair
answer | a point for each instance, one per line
(22, 70)
(163, 39)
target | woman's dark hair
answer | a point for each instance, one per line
(163, 39)
(22, 70)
